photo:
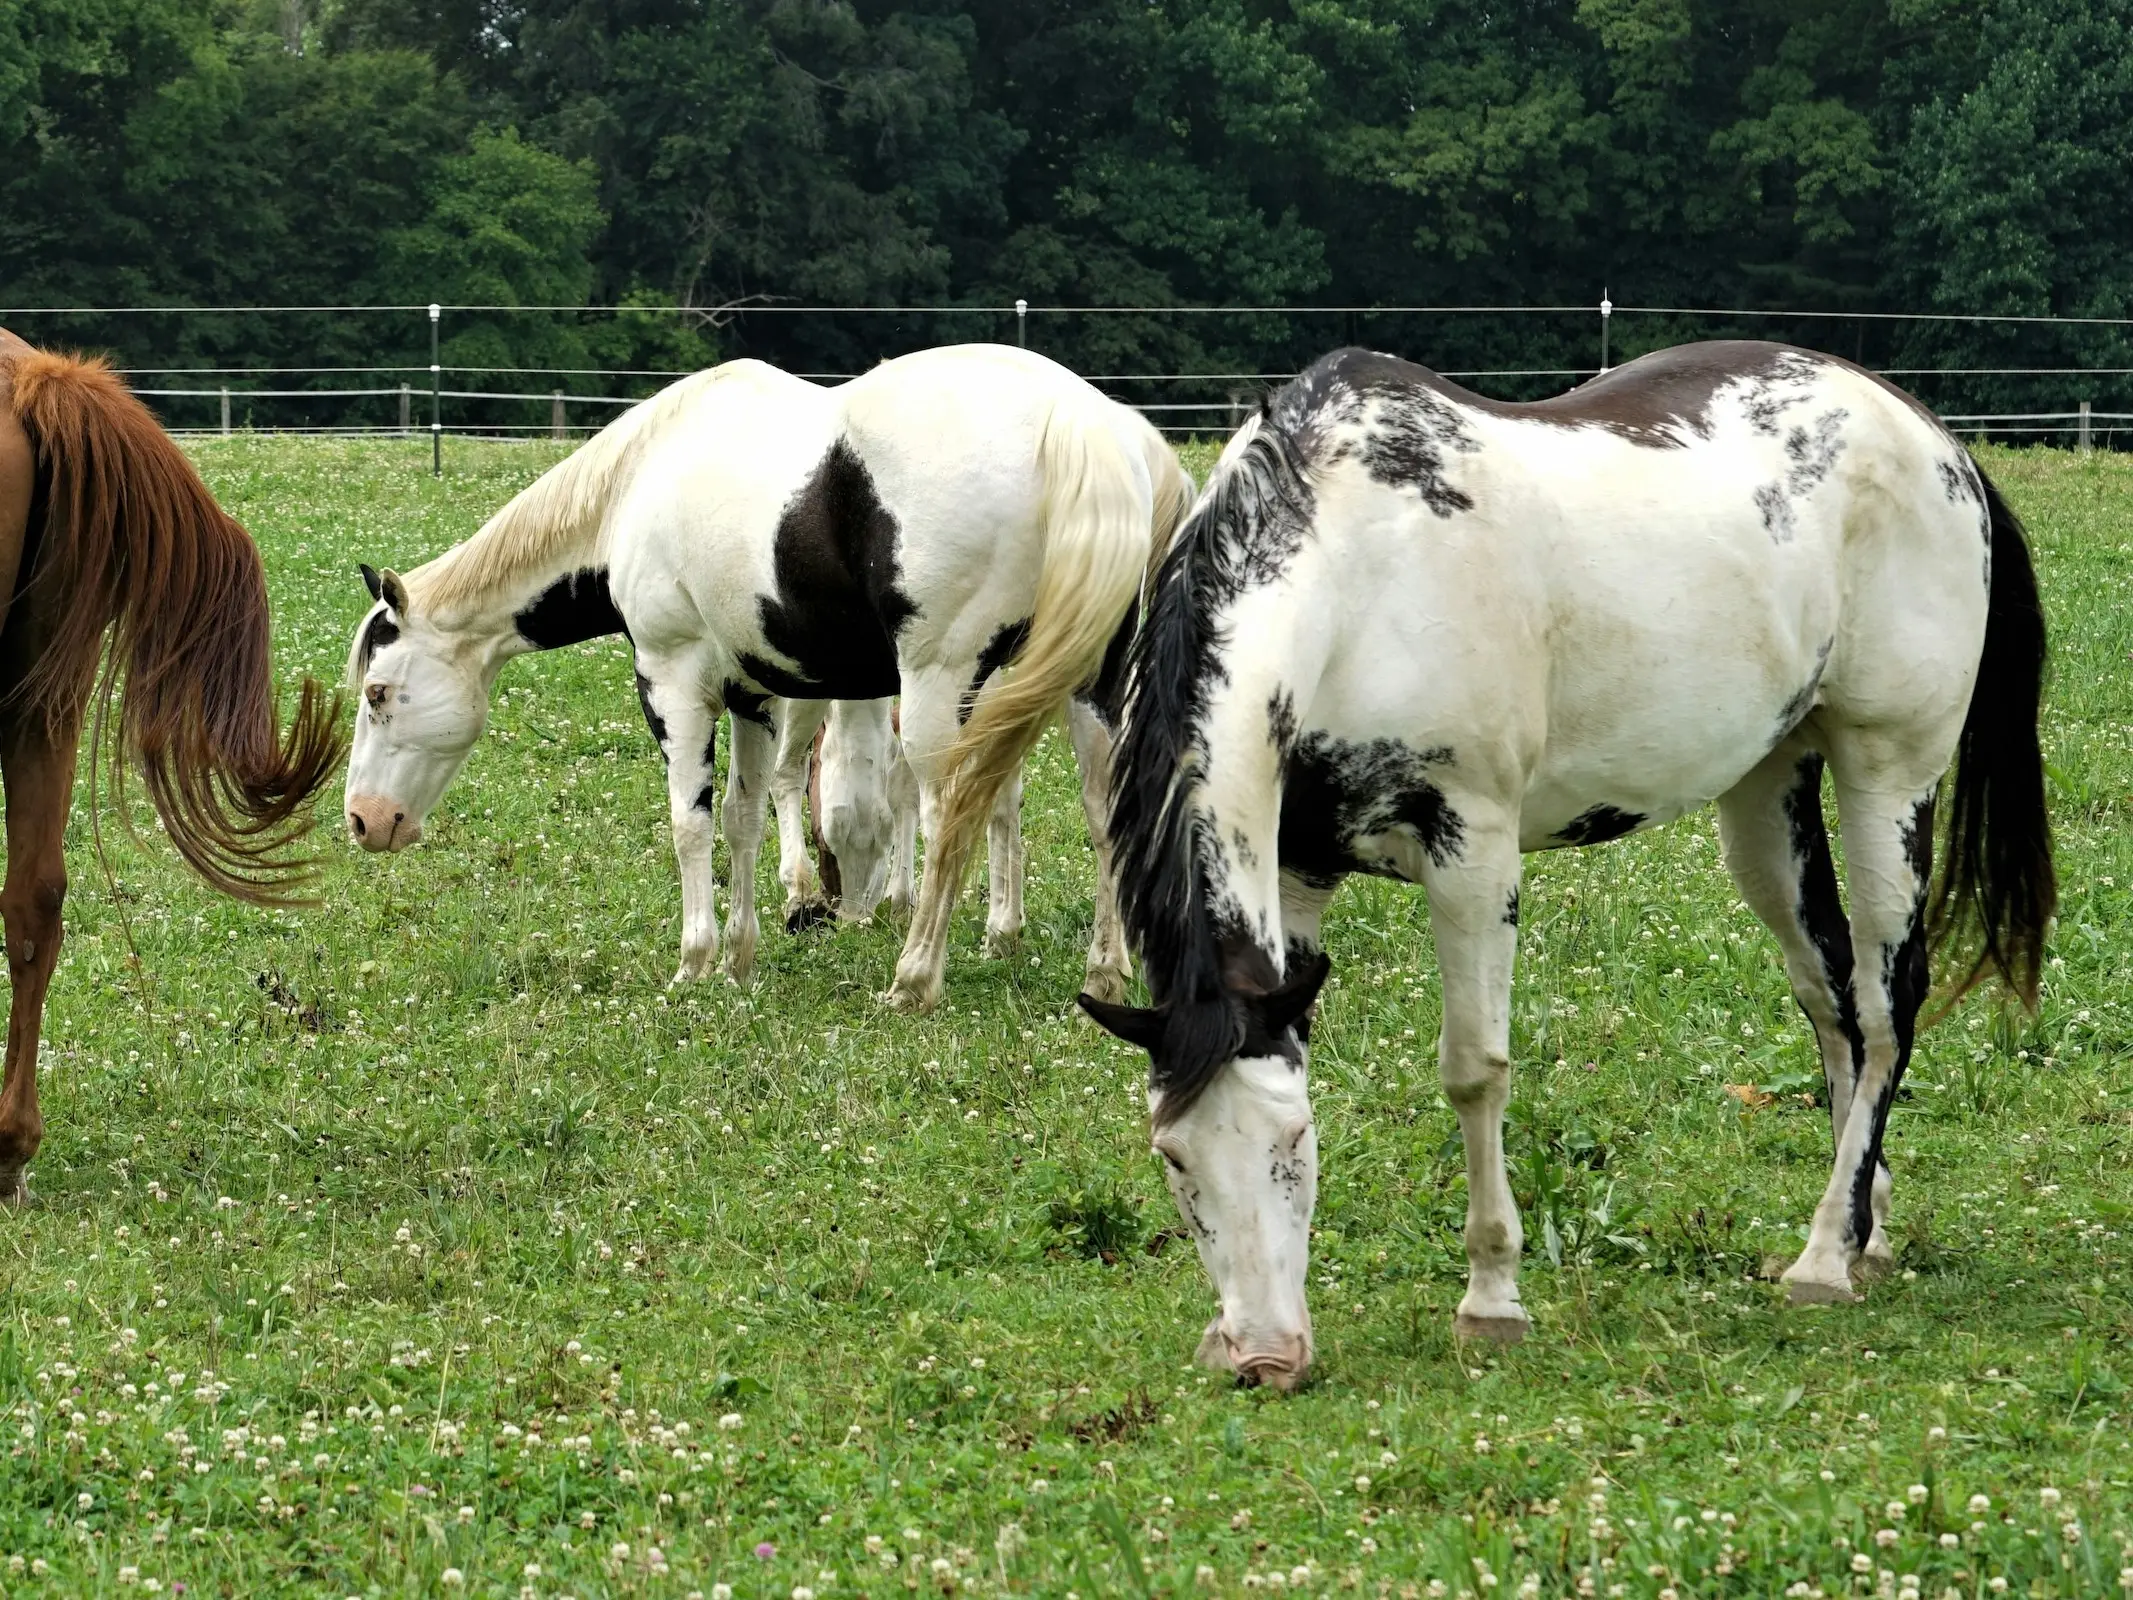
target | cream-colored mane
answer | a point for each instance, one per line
(562, 515)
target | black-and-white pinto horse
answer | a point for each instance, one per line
(967, 527)
(1415, 632)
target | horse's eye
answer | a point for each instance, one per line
(375, 693)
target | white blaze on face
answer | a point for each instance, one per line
(1242, 1164)
(424, 704)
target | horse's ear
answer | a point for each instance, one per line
(394, 591)
(1137, 1025)
(370, 580)
(1284, 1007)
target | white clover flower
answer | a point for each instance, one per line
(2049, 1496)
(1980, 1504)
(451, 1577)
(1885, 1537)
(730, 1421)
(1862, 1562)
(1918, 1494)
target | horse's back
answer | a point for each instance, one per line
(1641, 585)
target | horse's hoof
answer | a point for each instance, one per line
(1872, 1265)
(809, 914)
(1104, 983)
(911, 998)
(1490, 1330)
(1814, 1292)
(15, 1194)
(999, 946)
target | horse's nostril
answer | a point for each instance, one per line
(356, 822)
(399, 816)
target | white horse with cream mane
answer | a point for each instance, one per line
(968, 527)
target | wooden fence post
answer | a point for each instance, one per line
(225, 411)
(556, 428)
(2084, 432)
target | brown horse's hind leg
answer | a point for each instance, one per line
(38, 769)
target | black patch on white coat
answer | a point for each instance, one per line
(837, 609)
(1811, 456)
(1598, 824)
(652, 719)
(1906, 975)
(378, 632)
(1795, 710)
(1336, 794)
(570, 610)
(747, 706)
(1000, 650)
(1281, 721)
(1510, 908)
(1817, 905)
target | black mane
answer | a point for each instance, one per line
(1257, 511)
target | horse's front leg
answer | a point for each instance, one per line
(1473, 908)
(685, 727)
(798, 722)
(38, 770)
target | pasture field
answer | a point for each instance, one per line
(427, 1243)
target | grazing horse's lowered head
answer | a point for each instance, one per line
(425, 700)
(1240, 1151)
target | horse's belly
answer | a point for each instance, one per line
(1687, 738)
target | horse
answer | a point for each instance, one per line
(1414, 632)
(106, 528)
(967, 527)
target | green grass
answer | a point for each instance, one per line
(341, 1208)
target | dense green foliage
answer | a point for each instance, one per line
(1952, 156)
(437, 1197)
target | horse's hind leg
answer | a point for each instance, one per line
(928, 728)
(1885, 806)
(1003, 870)
(1110, 967)
(38, 769)
(1777, 849)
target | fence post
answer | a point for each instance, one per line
(1022, 324)
(555, 416)
(436, 398)
(407, 407)
(2085, 440)
(1607, 311)
(226, 412)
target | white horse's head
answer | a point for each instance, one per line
(1240, 1153)
(425, 700)
(862, 779)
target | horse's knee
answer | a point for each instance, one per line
(1474, 1081)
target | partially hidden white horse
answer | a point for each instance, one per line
(1414, 632)
(968, 527)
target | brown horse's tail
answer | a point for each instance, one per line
(132, 538)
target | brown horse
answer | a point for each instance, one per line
(105, 526)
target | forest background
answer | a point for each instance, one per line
(709, 162)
